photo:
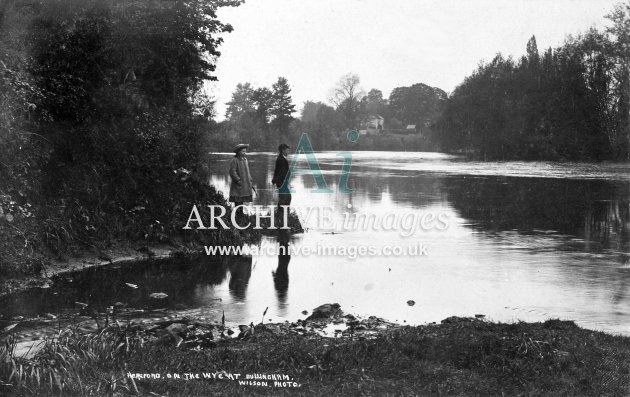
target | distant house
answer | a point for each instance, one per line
(411, 129)
(372, 124)
(376, 122)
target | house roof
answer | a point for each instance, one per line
(411, 127)
(376, 116)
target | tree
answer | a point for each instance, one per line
(419, 104)
(347, 95)
(247, 114)
(242, 102)
(283, 107)
(322, 123)
(557, 107)
(620, 56)
(204, 105)
(533, 57)
(121, 109)
(264, 102)
(163, 50)
(309, 111)
(374, 103)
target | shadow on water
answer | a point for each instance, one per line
(132, 284)
(281, 274)
(240, 273)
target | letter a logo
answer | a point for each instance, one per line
(313, 167)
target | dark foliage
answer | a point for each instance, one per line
(104, 124)
(568, 104)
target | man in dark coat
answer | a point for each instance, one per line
(281, 178)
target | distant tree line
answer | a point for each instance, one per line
(264, 115)
(568, 103)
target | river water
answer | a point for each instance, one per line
(511, 240)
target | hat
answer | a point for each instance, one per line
(283, 146)
(240, 146)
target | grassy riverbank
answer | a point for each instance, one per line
(104, 138)
(457, 357)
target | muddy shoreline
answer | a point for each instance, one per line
(121, 254)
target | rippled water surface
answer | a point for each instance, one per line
(523, 241)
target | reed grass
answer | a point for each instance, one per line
(466, 358)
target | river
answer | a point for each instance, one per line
(517, 241)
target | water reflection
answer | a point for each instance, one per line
(240, 273)
(595, 212)
(526, 241)
(184, 281)
(281, 274)
(607, 222)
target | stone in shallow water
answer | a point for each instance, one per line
(177, 328)
(455, 319)
(28, 349)
(325, 311)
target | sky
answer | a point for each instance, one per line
(387, 43)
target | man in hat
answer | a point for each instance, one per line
(281, 178)
(242, 185)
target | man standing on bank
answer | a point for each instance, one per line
(281, 179)
(242, 185)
